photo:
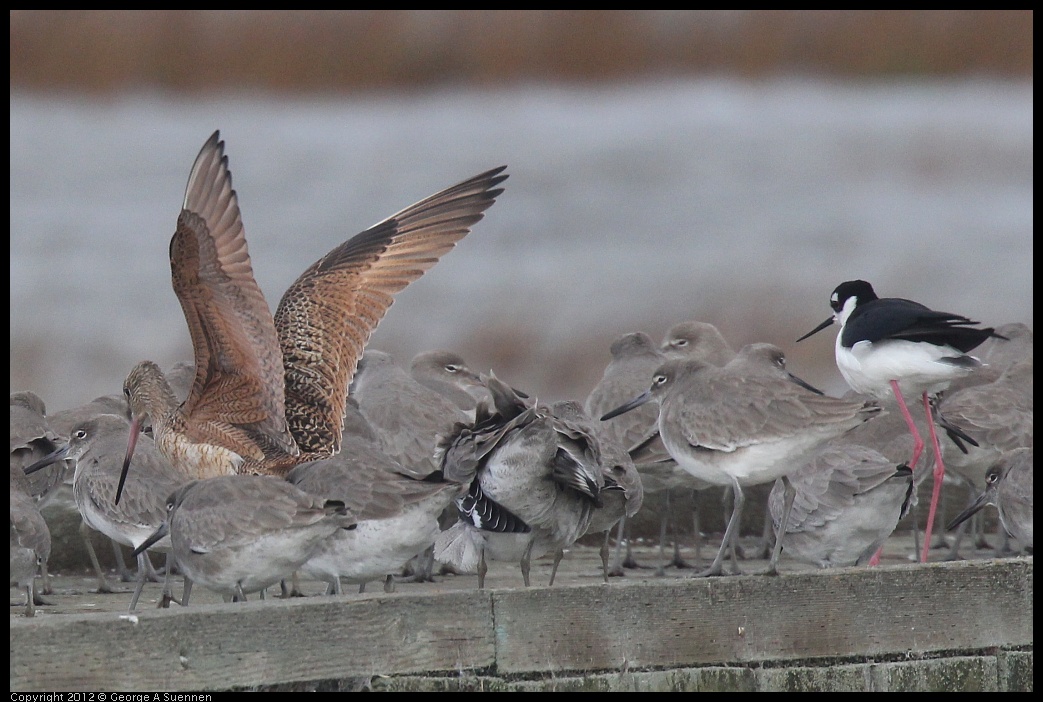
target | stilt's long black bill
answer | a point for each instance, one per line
(817, 329)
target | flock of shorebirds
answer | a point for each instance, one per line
(288, 447)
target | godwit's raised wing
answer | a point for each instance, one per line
(238, 386)
(326, 317)
(269, 392)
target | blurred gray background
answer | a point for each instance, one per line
(731, 167)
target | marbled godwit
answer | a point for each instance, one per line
(269, 391)
(896, 346)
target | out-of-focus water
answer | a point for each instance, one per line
(741, 204)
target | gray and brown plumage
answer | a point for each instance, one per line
(269, 390)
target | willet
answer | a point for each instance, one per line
(744, 424)
(848, 499)
(269, 391)
(621, 496)
(237, 534)
(97, 447)
(634, 358)
(62, 422)
(699, 340)
(703, 341)
(409, 418)
(447, 373)
(1009, 490)
(30, 539)
(897, 346)
(32, 438)
(998, 415)
(534, 476)
(397, 512)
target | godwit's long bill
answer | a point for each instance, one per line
(269, 392)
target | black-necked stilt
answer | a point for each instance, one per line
(893, 345)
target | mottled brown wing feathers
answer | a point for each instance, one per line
(327, 316)
(239, 370)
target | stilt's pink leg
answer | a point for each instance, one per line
(917, 441)
(939, 473)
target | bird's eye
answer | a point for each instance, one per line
(451, 368)
(126, 392)
(79, 434)
(681, 342)
(659, 379)
(992, 477)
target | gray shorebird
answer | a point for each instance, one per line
(30, 538)
(1008, 487)
(847, 500)
(397, 511)
(97, 447)
(998, 415)
(408, 418)
(32, 438)
(535, 480)
(634, 358)
(269, 391)
(238, 534)
(744, 424)
(446, 372)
